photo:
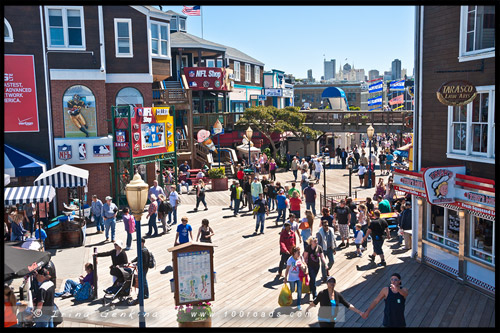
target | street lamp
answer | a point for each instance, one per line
(249, 133)
(370, 131)
(137, 195)
(324, 174)
(349, 166)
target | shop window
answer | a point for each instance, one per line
(257, 74)
(471, 128)
(210, 62)
(159, 39)
(444, 227)
(65, 27)
(129, 96)
(237, 71)
(79, 112)
(482, 240)
(8, 36)
(248, 73)
(209, 106)
(477, 32)
(123, 38)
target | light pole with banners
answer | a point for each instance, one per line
(370, 131)
(249, 133)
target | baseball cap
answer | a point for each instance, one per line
(108, 198)
(330, 278)
(282, 191)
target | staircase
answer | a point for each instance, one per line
(171, 93)
(204, 156)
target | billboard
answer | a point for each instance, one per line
(206, 78)
(84, 150)
(20, 99)
(152, 131)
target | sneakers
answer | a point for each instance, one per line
(106, 240)
(342, 244)
(255, 232)
(372, 257)
(126, 249)
(66, 295)
(382, 263)
(360, 254)
(206, 208)
(196, 209)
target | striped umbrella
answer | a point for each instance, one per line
(64, 176)
(28, 194)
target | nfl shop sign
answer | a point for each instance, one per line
(121, 139)
(440, 184)
(84, 150)
(152, 131)
(205, 78)
(20, 101)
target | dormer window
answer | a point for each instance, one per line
(173, 23)
(182, 24)
(8, 37)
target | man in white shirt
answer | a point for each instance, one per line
(318, 168)
(173, 198)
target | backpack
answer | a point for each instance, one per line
(168, 207)
(152, 261)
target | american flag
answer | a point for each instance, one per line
(397, 100)
(192, 11)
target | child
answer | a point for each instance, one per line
(358, 239)
(41, 234)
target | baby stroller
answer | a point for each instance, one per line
(125, 280)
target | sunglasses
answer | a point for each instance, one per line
(394, 279)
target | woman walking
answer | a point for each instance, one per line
(272, 169)
(200, 195)
(380, 189)
(364, 220)
(293, 265)
(129, 223)
(329, 300)
(312, 256)
(306, 226)
(295, 203)
(205, 231)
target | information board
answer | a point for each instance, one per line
(194, 272)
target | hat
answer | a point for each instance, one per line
(331, 278)
(408, 203)
(286, 223)
(282, 191)
(108, 198)
(119, 243)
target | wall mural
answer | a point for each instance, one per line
(79, 112)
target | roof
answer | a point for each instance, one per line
(235, 54)
(171, 12)
(184, 245)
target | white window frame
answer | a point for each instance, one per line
(182, 19)
(237, 71)
(463, 55)
(248, 73)
(10, 37)
(212, 61)
(257, 74)
(473, 248)
(129, 22)
(469, 155)
(65, 28)
(159, 55)
(445, 231)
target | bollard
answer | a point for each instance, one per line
(172, 285)
(215, 277)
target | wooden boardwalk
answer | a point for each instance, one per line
(246, 292)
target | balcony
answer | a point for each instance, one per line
(172, 93)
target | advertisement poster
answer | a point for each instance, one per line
(153, 135)
(79, 111)
(440, 184)
(84, 150)
(20, 100)
(194, 276)
(152, 131)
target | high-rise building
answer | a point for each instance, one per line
(373, 74)
(403, 73)
(387, 75)
(310, 75)
(329, 69)
(396, 69)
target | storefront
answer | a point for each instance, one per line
(454, 225)
(144, 142)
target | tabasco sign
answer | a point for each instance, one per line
(205, 78)
(455, 93)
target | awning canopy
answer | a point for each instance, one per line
(6, 179)
(28, 194)
(20, 164)
(63, 176)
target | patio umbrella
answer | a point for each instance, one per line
(18, 262)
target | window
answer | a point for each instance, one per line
(482, 240)
(444, 227)
(123, 38)
(236, 71)
(129, 96)
(220, 62)
(159, 40)
(65, 27)
(477, 32)
(173, 24)
(79, 112)
(471, 130)
(257, 74)
(182, 24)
(8, 37)
(210, 62)
(248, 73)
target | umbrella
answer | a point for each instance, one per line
(18, 262)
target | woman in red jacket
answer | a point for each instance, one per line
(287, 242)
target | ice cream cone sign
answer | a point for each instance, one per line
(204, 138)
(217, 129)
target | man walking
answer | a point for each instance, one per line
(377, 228)
(304, 181)
(288, 160)
(184, 231)
(342, 215)
(109, 211)
(326, 239)
(156, 190)
(261, 213)
(405, 224)
(237, 198)
(145, 267)
(338, 152)
(318, 168)
(256, 189)
(287, 242)
(343, 157)
(295, 167)
(173, 197)
(152, 214)
(96, 212)
(310, 195)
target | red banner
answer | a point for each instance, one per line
(397, 100)
(20, 100)
(206, 78)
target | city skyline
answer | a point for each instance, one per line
(280, 45)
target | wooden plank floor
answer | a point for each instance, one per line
(246, 291)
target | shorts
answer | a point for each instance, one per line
(344, 230)
(377, 246)
(358, 246)
(361, 177)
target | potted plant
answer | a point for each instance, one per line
(218, 179)
(195, 315)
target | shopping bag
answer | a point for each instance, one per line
(305, 285)
(304, 225)
(285, 297)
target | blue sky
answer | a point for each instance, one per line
(295, 38)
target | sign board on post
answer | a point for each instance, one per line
(440, 184)
(193, 268)
(20, 99)
(152, 131)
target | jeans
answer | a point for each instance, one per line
(261, 217)
(328, 253)
(236, 206)
(281, 212)
(271, 201)
(305, 234)
(31, 224)
(313, 273)
(318, 175)
(99, 223)
(254, 198)
(180, 187)
(202, 200)
(299, 289)
(364, 228)
(312, 207)
(152, 225)
(174, 211)
(69, 287)
(110, 223)
(45, 320)
(295, 174)
(129, 240)
(146, 287)
(283, 260)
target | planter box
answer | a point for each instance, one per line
(219, 184)
(198, 323)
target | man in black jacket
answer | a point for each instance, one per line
(405, 224)
(145, 266)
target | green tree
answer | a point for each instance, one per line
(293, 121)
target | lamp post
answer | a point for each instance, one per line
(370, 131)
(249, 133)
(137, 195)
(349, 166)
(324, 175)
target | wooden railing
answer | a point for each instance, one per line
(170, 96)
(356, 118)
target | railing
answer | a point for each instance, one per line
(356, 118)
(169, 96)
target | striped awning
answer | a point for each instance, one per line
(64, 176)
(28, 194)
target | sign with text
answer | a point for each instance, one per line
(152, 131)
(274, 92)
(440, 184)
(87, 150)
(456, 93)
(20, 99)
(206, 78)
(409, 183)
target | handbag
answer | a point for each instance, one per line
(305, 285)
(304, 225)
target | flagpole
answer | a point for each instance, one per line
(201, 14)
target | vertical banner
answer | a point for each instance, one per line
(20, 99)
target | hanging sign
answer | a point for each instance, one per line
(456, 93)
(440, 184)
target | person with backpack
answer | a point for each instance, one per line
(200, 195)
(163, 210)
(147, 263)
(129, 223)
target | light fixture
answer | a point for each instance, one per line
(249, 133)
(420, 201)
(137, 194)
(461, 214)
(370, 131)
